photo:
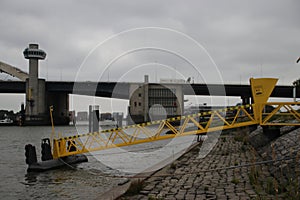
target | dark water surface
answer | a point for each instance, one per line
(16, 183)
(88, 181)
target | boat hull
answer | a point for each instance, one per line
(56, 163)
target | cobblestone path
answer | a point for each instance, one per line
(192, 177)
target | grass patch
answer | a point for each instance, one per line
(253, 176)
(151, 197)
(235, 181)
(270, 187)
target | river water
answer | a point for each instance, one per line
(87, 180)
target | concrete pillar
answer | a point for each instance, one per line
(146, 98)
(90, 118)
(93, 118)
(118, 117)
(36, 98)
(41, 100)
(96, 119)
(60, 103)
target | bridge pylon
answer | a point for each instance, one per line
(35, 87)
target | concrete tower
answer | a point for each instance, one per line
(35, 87)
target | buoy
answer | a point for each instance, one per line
(46, 150)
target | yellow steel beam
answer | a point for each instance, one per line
(152, 131)
(283, 114)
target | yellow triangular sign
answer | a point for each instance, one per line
(261, 90)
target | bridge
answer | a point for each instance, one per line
(106, 89)
(13, 71)
(57, 93)
(40, 94)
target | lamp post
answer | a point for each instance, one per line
(296, 84)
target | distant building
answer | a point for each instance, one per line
(105, 116)
(82, 116)
(153, 101)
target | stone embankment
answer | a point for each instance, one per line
(232, 169)
(283, 180)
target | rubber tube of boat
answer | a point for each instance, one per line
(30, 154)
(46, 149)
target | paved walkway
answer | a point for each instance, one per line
(192, 177)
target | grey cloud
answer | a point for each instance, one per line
(241, 36)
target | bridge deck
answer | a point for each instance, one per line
(121, 90)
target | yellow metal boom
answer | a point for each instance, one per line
(282, 114)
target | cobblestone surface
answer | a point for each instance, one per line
(198, 178)
(194, 176)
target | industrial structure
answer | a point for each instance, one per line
(153, 101)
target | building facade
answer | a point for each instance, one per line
(154, 101)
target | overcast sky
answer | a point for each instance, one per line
(211, 41)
